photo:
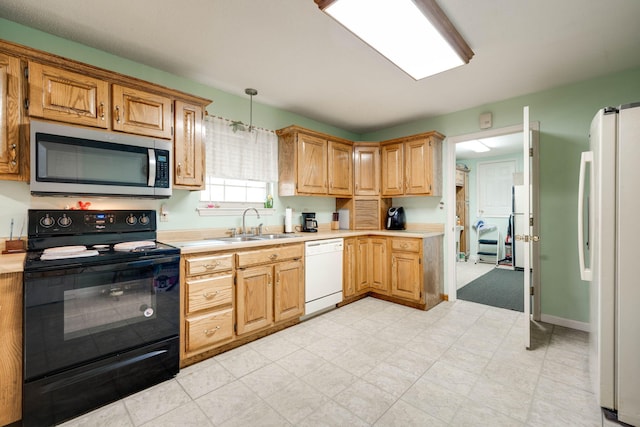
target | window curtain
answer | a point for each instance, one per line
(234, 152)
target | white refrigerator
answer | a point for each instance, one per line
(609, 235)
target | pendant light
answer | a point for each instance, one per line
(251, 92)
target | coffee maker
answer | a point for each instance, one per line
(309, 223)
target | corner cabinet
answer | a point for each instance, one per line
(189, 150)
(313, 164)
(14, 147)
(372, 273)
(412, 166)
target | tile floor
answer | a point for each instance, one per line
(467, 271)
(378, 363)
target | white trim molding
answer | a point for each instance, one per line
(567, 323)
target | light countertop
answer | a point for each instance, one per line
(12, 263)
(208, 245)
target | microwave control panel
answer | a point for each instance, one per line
(162, 169)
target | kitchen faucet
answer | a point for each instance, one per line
(244, 229)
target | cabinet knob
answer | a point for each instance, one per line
(273, 256)
(13, 154)
(210, 295)
(212, 266)
(179, 169)
(209, 332)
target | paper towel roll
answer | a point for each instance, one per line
(288, 213)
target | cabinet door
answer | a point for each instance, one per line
(378, 265)
(312, 165)
(406, 275)
(61, 95)
(418, 167)
(349, 268)
(289, 290)
(13, 154)
(188, 149)
(339, 168)
(367, 171)
(363, 272)
(254, 299)
(11, 348)
(143, 113)
(392, 170)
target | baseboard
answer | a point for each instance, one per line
(567, 323)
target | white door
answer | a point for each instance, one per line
(529, 203)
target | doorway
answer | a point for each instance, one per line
(482, 220)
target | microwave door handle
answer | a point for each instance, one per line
(152, 167)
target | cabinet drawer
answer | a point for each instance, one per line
(208, 264)
(208, 293)
(209, 329)
(263, 256)
(408, 245)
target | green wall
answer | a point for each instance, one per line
(564, 114)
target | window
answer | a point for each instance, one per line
(220, 192)
(241, 167)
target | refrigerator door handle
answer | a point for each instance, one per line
(585, 273)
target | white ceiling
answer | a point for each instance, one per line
(302, 61)
(498, 146)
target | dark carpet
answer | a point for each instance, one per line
(497, 288)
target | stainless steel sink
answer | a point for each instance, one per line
(236, 239)
(273, 236)
(252, 238)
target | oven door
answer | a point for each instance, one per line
(79, 314)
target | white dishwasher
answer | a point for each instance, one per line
(322, 274)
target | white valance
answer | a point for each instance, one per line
(234, 153)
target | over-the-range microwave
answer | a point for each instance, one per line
(74, 161)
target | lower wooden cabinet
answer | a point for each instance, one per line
(11, 348)
(399, 269)
(207, 296)
(350, 262)
(269, 287)
(372, 272)
(406, 268)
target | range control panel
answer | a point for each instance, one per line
(68, 222)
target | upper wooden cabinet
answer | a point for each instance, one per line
(412, 166)
(189, 150)
(340, 168)
(313, 164)
(62, 95)
(140, 112)
(14, 148)
(366, 169)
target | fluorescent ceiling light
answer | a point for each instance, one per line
(474, 145)
(413, 34)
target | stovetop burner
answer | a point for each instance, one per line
(60, 238)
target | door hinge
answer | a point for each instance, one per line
(235, 327)
(530, 152)
(26, 103)
(530, 222)
(419, 260)
(531, 292)
(171, 130)
(26, 72)
(235, 280)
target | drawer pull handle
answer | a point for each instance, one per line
(117, 114)
(101, 111)
(212, 266)
(404, 245)
(209, 332)
(209, 295)
(273, 256)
